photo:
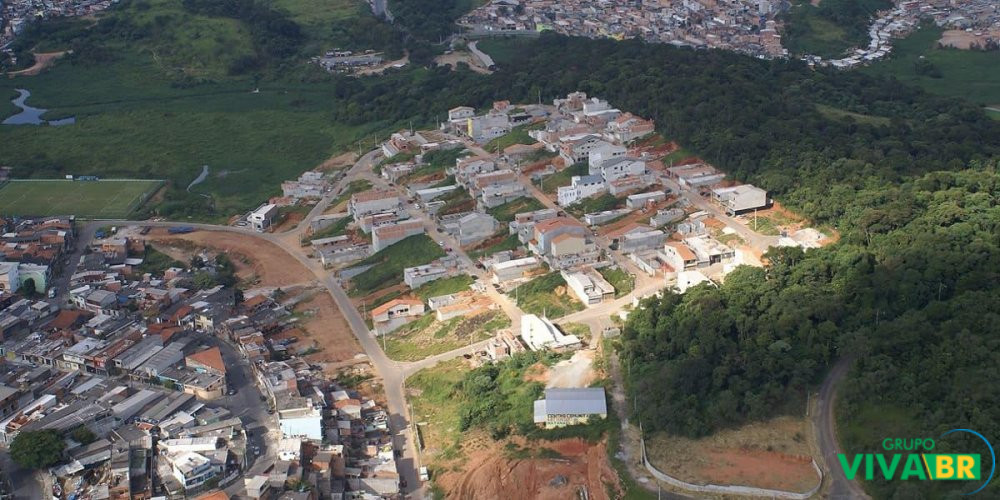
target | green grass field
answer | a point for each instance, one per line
(105, 199)
(965, 74)
(818, 36)
(166, 103)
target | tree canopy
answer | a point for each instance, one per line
(37, 449)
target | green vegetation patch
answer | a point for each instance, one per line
(517, 135)
(564, 177)
(838, 114)
(444, 286)
(156, 262)
(599, 203)
(620, 279)
(388, 263)
(499, 242)
(435, 408)
(967, 74)
(105, 199)
(427, 337)
(546, 295)
(507, 211)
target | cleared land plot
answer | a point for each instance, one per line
(546, 295)
(427, 337)
(257, 261)
(106, 199)
(507, 211)
(433, 394)
(772, 454)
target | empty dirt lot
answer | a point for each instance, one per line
(575, 466)
(256, 259)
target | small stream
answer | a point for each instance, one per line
(32, 116)
(198, 180)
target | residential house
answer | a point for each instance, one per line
(514, 269)
(262, 217)
(589, 286)
(628, 127)
(582, 186)
(396, 313)
(602, 154)
(621, 166)
(679, 256)
(626, 184)
(578, 149)
(640, 200)
(372, 202)
(539, 333)
(385, 236)
(414, 277)
(740, 199)
(472, 228)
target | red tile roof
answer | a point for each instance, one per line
(211, 358)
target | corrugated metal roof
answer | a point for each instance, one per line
(586, 401)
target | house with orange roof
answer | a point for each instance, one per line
(563, 242)
(679, 256)
(208, 360)
(396, 313)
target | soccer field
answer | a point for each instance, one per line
(105, 199)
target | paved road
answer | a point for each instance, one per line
(826, 424)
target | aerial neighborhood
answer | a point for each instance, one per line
(516, 230)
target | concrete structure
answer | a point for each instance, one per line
(642, 240)
(425, 195)
(305, 423)
(618, 167)
(539, 333)
(581, 186)
(640, 200)
(628, 127)
(396, 313)
(191, 469)
(418, 275)
(576, 150)
(562, 407)
(372, 202)
(601, 155)
(384, 236)
(262, 218)
(562, 242)
(709, 251)
(472, 227)
(679, 256)
(514, 269)
(740, 199)
(598, 218)
(588, 286)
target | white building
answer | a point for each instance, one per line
(616, 168)
(191, 469)
(563, 407)
(306, 423)
(602, 154)
(582, 186)
(640, 200)
(590, 287)
(739, 199)
(262, 218)
(539, 333)
(514, 269)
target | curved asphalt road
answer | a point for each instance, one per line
(826, 435)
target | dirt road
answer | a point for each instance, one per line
(42, 60)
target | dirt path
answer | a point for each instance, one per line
(42, 60)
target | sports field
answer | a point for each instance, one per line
(103, 199)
